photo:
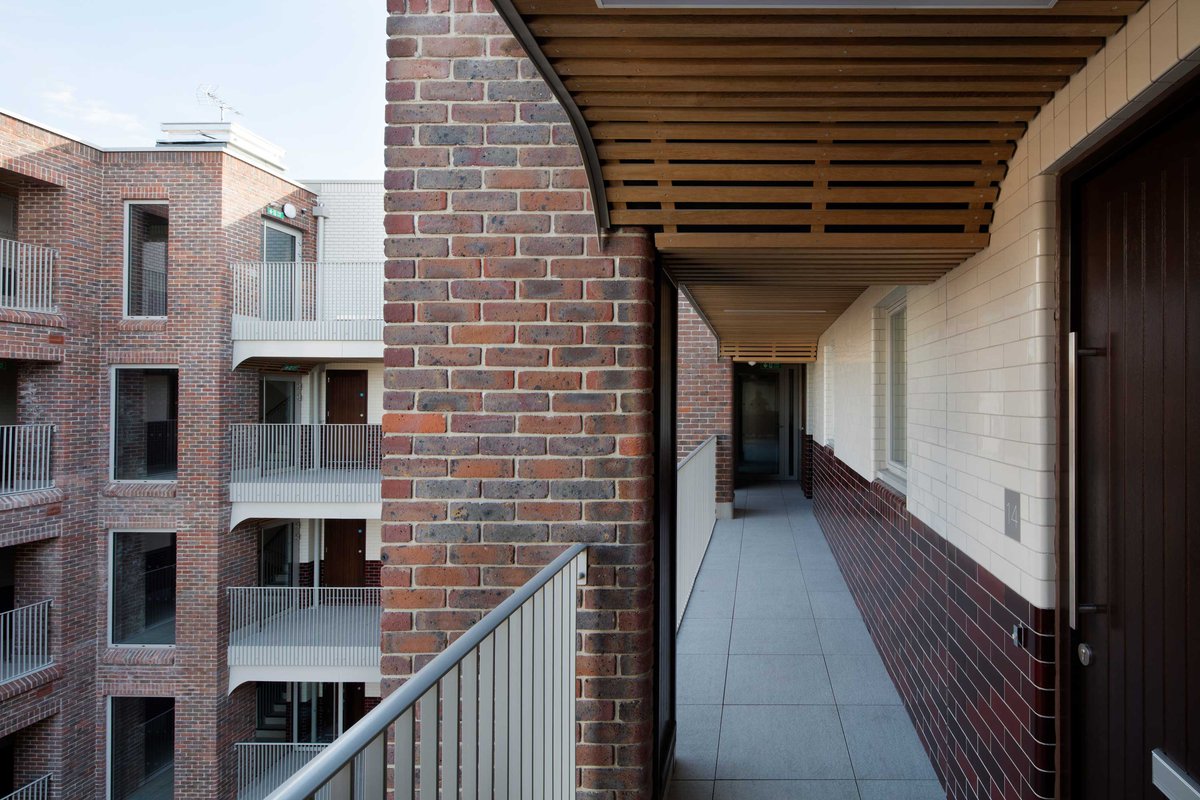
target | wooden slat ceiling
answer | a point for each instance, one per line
(789, 159)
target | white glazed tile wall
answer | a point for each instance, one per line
(981, 340)
(353, 229)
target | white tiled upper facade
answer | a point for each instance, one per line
(981, 386)
(353, 227)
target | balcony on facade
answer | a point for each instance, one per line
(307, 311)
(25, 463)
(26, 276)
(38, 789)
(304, 633)
(293, 471)
(24, 641)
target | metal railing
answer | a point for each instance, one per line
(305, 463)
(25, 458)
(34, 790)
(24, 640)
(695, 516)
(319, 627)
(306, 300)
(27, 276)
(262, 766)
(496, 710)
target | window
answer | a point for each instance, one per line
(896, 439)
(145, 410)
(142, 599)
(146, 236)
(141, 748)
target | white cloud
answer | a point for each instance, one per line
(95, 120)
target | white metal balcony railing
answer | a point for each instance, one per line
(26, 276)
(24, 640)
(695, 514)
(305, 463)
(300, 625)
(25, 458)
(34, 790)
(496, 710)
(308, 300)
(262, 766)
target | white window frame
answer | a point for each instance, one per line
(112, 420)
(112, 583)
(900, 305)
(125, 258)
(288, 229)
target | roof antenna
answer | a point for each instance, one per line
(206, 95)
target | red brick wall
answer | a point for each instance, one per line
(518, 374)
(983, 706)
(704, 395)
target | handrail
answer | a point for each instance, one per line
(342, 751)
(25, 640)
(694, 452)
(36, 789)
(27, 276)
(26, 458)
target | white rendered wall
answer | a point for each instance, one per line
(353, 227)
(982, 380)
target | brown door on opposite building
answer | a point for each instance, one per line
(345, 404)
(345, 549)
(1135, 651)
(354, 697)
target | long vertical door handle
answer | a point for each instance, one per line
(1072, 481)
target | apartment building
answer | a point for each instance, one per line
(189, 469)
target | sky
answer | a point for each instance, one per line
(306, 74)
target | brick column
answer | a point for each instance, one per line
(704, 398)
(518, 375)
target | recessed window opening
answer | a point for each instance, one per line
(145, 424)
(142, 602)
(141, 748)
(147, 234)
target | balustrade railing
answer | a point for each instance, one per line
(695, 516)
(262, 766)
(24, 640)
(26, 276)
(305, 463)
(25, 458)
(308, 300)
(34, 790)
(287, 625)
(492, 715)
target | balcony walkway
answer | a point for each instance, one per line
(781, 692)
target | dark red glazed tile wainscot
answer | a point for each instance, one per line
(982, 704)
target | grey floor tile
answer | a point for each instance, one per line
(777, 680)
(812, 561)
(721, 577)
(845, 637)
(883, 744)
(861, 680)
(833, 605)
(781, 579)
(709, 604)
(787, 636)
(786, 790)
(697, 731)
(772, 605)
(901, 790)
(825, 579)
(703, 635)
(781, 742)
(700, 678)
(691, 790)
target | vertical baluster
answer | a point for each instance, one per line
(470, 724)
(487, 715)
(556, 712)
(450, 733)
(538, 631)
(503, 744)
(513, 743)
(528, 632)
(429, 743)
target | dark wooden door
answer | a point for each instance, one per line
(1136, 301)
(354, 703)
(345, 548)
(345, 404)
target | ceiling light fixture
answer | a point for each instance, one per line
(774, 311)
(749, 5)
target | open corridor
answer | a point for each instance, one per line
(782, 694)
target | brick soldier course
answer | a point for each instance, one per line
(518, 375)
